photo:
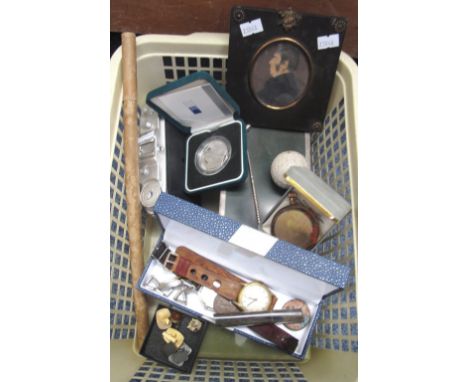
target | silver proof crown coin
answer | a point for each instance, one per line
(213, 155)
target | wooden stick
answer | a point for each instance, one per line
(132, 186)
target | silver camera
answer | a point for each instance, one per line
(152, 157)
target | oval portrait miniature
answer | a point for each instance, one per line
(280, 73)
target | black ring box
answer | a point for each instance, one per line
(152, 347)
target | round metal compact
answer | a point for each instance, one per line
(296, 224)
(213, 155)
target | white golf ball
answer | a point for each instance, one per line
(282, 163)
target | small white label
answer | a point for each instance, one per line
(253, 240)
(326, 42)
(252, 27)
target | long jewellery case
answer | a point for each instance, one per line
(282, 65)
(246, 254)
(307, 210)
(215, 136)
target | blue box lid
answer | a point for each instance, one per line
(224, 228)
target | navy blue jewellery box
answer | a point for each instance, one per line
(289, 271)
(216, 144)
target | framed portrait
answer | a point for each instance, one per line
(280, 73)
(282, 65)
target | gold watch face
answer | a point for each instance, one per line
(255, 297)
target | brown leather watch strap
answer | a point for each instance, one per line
(190, 265)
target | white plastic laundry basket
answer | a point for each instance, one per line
(164, 58)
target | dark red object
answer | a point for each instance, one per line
(278, 336)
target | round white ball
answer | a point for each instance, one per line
(282, 163)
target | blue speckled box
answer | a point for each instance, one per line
(290, 272)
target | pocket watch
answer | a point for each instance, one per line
(296, 224)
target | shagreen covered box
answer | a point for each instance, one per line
(249, 267)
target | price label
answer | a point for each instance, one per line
(251, 27)
(327, 42)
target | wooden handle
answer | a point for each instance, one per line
(132, 186)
